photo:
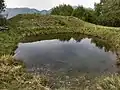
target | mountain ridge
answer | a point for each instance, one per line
(11, 12)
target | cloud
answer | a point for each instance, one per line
(85, 3)
(47, 4)
(38, 4)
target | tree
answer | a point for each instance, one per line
(108, 12)
(2, 18)
(90, 15)
(98, 9)
(86, 14)
(64, 10)
(2, 5)
(79, 12)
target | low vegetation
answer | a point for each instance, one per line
(13, 74)
(14, 77)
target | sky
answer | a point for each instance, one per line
(47, 4)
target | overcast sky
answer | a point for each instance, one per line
(47, 4)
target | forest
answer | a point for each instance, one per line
(106, 13)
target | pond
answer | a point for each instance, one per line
(68, 53)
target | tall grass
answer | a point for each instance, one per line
(14, 77)
(12, 73)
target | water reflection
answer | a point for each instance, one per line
(66, 37)
(67, 52)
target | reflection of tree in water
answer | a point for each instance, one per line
(76, 37)
(108, 47)
(61, 37)
(98, 42)
(66, 37)
(102, 44)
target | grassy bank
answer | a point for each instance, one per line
(13, 75)
(22, 26)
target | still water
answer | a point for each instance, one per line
(64, 53)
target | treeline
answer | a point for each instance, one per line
(106, 13)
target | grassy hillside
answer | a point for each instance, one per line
(25, 25)
(21, 26)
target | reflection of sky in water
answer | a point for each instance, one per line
(83, 56)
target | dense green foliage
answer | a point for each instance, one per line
(86, 14)
(106, 13)
(2, 5)
(64, 10)
(79, 12)
(2, 19)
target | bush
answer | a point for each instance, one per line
(3, 21)
(64, 10)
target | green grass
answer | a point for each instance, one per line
(12, 73)
(104, 82)
(14, 77)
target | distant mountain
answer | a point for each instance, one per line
(44, 12)
(15, 11)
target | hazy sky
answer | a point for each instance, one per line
(47, 4)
